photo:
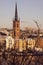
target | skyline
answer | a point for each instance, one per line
(28, 10)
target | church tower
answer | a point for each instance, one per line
(16, 25)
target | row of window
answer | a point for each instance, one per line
(15, 34)
(16, 25)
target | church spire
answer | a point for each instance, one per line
(16, 25)
(16, 14)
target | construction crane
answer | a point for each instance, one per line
(37, 26)
(38, 35)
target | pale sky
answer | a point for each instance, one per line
(28, 10)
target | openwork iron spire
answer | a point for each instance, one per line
(16, 14)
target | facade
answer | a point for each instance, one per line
(9, 42)
(30, 43)
(16, 25)
(22, 45)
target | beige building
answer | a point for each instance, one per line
(30, 43)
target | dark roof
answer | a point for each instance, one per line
(1, 33)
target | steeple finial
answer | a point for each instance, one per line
(16, 14)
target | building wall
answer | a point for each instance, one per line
(16, 29)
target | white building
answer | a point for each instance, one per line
(38, 49)
(9, 42)
(30, 43)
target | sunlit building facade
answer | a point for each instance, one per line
(9, 42)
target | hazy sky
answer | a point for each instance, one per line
(28, 10)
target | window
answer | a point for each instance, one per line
(14, 34)
(17, 25)
(14, 24)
